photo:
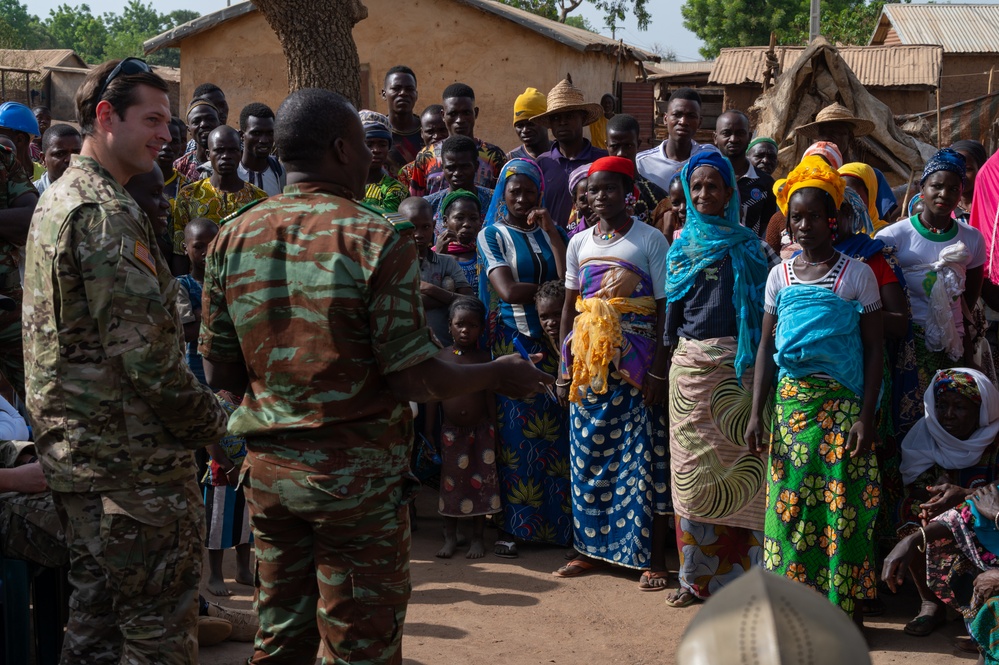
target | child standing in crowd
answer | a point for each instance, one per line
(469, 481)
(226, 511)
(462, 222)
(549, 301)
(198, 234)
(580, 217)
(441, 279)
(679, 203)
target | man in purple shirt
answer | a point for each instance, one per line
(566, 116)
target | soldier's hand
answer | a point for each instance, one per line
(519, 379)
(26, 479)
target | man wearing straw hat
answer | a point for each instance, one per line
(837, 124)
(566, 115)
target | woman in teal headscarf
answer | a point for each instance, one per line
(520, 248)
(716, 272)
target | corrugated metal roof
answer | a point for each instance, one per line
(875, 66)
(957, 28)
(577, 38)
(698, 67)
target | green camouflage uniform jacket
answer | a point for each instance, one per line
(319, 297)
(113, 402)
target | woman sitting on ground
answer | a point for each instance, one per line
(952, 450)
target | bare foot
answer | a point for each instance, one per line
(476, 550)
(447, 551)
(244, 577)
(217, 587)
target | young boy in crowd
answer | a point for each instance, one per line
(581, 217)
(460, 159)
(382, 190)
(198, 234)
(441, 279)
(469, 480)
(549, 300)
(462, 222)
(432, 130)
(675, 219)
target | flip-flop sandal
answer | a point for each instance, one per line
(653, 580)
(684, 599)
(578, 567)
(506, 549)
(924, 624)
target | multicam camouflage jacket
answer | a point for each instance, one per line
(112, 400)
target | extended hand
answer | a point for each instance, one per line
(943, 498)
(519, 379)
(897, 561)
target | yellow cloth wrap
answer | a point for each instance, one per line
(597, 338)
(811, 172)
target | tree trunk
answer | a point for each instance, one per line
(318, 43)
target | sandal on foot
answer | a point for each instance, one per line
(653, 580)
(578, 567)
(683, 598)
(570, 555)
(506, 549)
(924, 624)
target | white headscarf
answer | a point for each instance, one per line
(928, 443)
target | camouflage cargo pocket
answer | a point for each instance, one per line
(381, 607)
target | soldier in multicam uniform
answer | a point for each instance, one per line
(116, 411)
(312, 307)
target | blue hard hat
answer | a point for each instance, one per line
(17, 116)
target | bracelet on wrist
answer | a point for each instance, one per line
(653, 376)
(562, 384)
(923, 548)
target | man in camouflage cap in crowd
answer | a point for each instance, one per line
(316, 299)
(117, 412)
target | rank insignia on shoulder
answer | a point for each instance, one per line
(399, 221)
(239, 212)
(143, 255)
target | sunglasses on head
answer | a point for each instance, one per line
(128, 67)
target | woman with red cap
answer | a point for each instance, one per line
(614, 377)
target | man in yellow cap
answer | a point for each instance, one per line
(533, 137)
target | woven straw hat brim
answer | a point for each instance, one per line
(593, 111)
(861, 127)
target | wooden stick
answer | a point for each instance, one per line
(908, 188)
(939, 137)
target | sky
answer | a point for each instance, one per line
(666, 27)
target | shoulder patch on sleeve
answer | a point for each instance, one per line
(400, 222)
(143, 255)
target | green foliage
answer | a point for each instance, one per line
(94, 38)
(614, 11)
(727, 23)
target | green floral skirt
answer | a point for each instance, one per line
(821, 503)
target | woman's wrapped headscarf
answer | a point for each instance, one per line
(945, 159)
(707, 239)
(497, 207)
(828, 151)
(866, 174)
(811, 172)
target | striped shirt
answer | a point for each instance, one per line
(848, 278)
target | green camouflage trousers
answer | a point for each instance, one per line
(336, 547)
(135, 567)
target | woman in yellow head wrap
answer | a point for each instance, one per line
(822, 330)
(862, 179)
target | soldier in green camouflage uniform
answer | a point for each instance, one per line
(312, 306)
(17, 201)
(117, 412)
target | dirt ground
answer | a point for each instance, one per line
(513, 612)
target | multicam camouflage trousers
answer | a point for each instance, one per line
(332, 546)
(135, 567)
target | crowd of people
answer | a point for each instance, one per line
(238, 340)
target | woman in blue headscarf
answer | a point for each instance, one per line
(716, 273)
(943, 259)
(520, 248)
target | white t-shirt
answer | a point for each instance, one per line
(849, 279)
(653, 164)
(916, 248)
(643, 246)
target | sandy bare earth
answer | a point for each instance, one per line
(513, 612)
